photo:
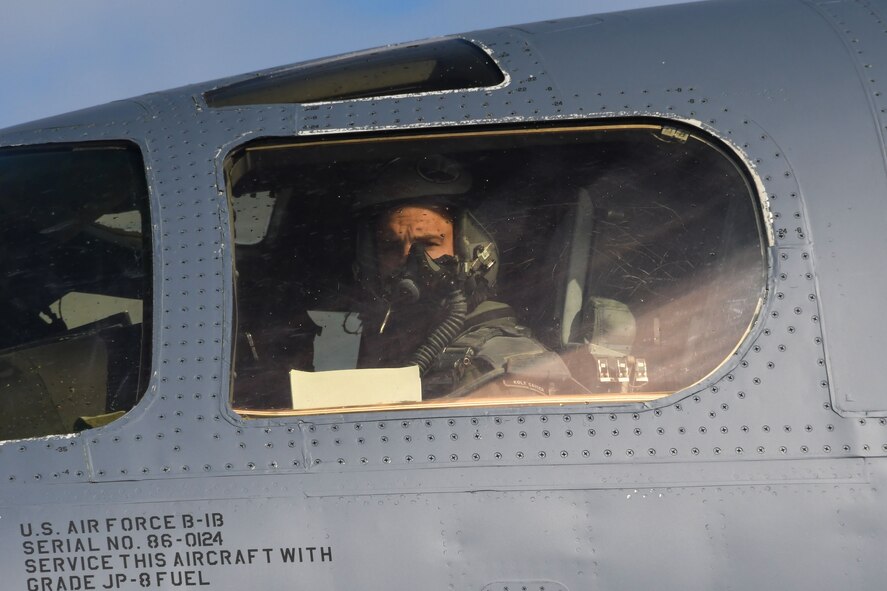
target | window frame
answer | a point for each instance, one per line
(149, 252)
(674, 129)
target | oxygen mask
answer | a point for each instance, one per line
(421, 280)
(422, 277)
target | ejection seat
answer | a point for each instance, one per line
(597, 334)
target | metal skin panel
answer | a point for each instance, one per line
(854, 326)
(748, 479)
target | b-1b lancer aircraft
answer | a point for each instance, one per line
(584, 304)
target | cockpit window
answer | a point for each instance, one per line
(75, 287)
(428, 66)
(546, 266)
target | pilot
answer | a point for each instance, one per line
(427, 270)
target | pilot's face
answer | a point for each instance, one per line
(404, 226)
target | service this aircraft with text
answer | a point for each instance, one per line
(582, 304)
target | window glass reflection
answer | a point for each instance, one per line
(494, 267)
(75, 287)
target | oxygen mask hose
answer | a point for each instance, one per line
(406, 292)
(420, 275)
(421, 278)
(443, 334)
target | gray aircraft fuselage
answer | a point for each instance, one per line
(769, 473)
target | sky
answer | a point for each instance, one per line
(58, 56)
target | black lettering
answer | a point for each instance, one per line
(142, 523)
(61, 564)
(119, 542)
(66, 583)
(87, 546)
(83, 526)
(143, 560)
(25, 529)
(115, 581)
(156, 522)
(59, 546)
(186, 578)
(304, 554)
(201, 558)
